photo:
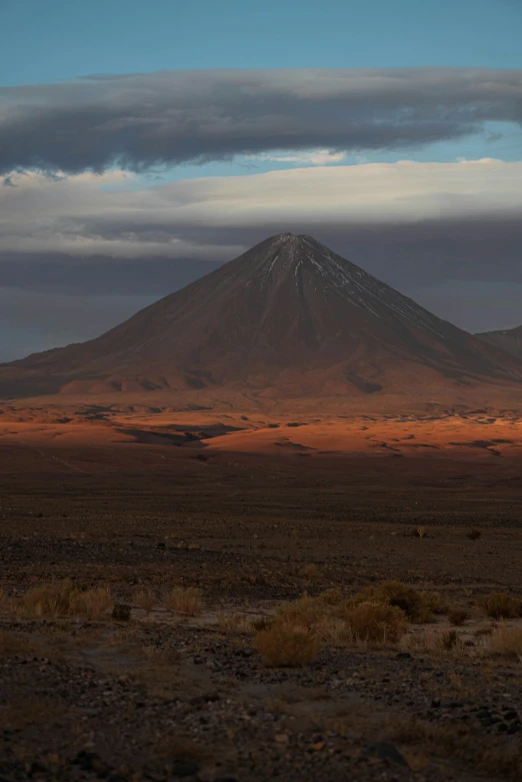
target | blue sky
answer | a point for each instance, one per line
(47, 40)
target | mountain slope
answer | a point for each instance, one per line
(508, 339)
(288, 318)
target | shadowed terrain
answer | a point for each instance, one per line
(143, 585)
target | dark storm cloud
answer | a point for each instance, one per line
(138, 121)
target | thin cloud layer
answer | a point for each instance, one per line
(313, 157)
(217, 218)
(136, 122)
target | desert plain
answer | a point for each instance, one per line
(244, 596)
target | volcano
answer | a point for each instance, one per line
(287, 319)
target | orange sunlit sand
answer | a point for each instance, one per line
(479, 435)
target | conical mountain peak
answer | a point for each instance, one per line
(289, 317)
(289, 252)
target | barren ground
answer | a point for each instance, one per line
(254, 512)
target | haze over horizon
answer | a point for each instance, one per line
(192, 132)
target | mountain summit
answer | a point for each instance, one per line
(289, 318)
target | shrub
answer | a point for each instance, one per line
(305, 612)
(184, 600)
(458, 616)
(284, 646)
(415, 604)
(501, 605)
(332, 596)
(340, 620)
(435, 602)
(376, 622)
(507, 641)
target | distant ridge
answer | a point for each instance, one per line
(508, 339)
(287, 319)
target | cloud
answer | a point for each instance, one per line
(414, 225)
(216, 218)
(313, 157)
(140, 121)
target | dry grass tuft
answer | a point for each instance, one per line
(306, 612)
(284, 646)
(235, 622)
(449, 640)
(184, 600)
(434, 642)
(377, 623)
(61, 599)
(93, 603)
(458, 616)
(435, 602)
(332, 596)
(417, 606)
(263, 623)
(340, 620)
(500, 605)
(506, 641)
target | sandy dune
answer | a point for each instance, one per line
(473, 435)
